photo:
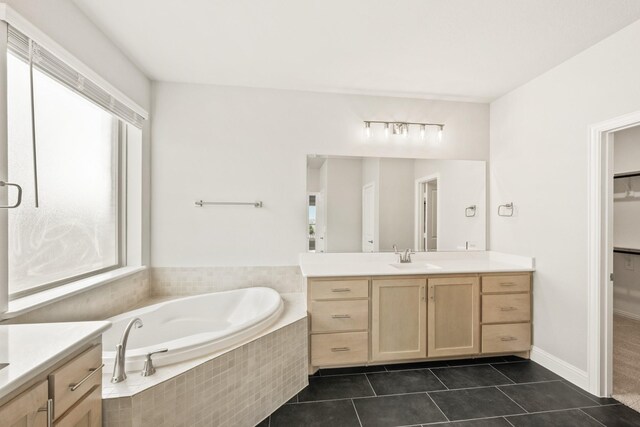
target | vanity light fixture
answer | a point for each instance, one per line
(402, 128)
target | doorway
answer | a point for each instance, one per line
(427, 214)
(368, 217)
(611, 233)
(626, 266)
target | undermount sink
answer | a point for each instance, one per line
(415, 266)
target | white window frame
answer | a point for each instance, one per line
(130, 175)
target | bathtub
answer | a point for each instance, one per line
(192, 326)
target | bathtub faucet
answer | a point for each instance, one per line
(119, 373)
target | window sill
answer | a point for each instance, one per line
(26, 304)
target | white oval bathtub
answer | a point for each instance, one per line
(192, 326)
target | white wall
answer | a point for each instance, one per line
(460, 184)
(343, 203)
(68, 26)
(225, 143)
(396, 204)
(626, 224)
(539, 138)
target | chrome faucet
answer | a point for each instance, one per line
(405, 257)
(119, 373)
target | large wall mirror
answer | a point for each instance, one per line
(367, 204)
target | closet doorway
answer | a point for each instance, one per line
(626, 267)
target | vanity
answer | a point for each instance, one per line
(372, 301)
(369, 309)
(51, 375)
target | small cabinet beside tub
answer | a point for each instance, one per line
(373, 320)
(69, 396)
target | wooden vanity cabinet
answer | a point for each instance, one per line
(339, 321)
(398, 319)
(454, 316)
(362, 320)
(74, 389)
(28, 409)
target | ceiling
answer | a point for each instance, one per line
(473, 50)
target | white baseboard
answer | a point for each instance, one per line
(626, 314)
(560, 367)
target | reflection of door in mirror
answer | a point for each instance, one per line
(428, 214)
(368, 218)
(316, 222)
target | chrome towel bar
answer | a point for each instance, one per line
(258, 204)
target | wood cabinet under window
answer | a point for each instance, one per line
(398, 319)
(28, 409)
(374, 320)
(70, 396)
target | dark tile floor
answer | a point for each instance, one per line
(495, 392)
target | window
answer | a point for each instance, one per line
(76, 229)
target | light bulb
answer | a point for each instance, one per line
(423, 131)
(405, 130)
(386, 130)
(367, 129)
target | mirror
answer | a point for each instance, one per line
(370, 204)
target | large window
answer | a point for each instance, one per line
(75, 231)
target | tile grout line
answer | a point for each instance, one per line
(371, 385)
(355, 410)
(441, 411)
(438, 378)
(507, 420)
(509, 397)
(580, 409)
(504, 375)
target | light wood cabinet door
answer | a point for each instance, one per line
(29, 409)
(85, 413)
(454, 316)
(398, 319)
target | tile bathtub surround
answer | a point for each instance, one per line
(239, 388)
(198, 280)
(494, 392)
(96, 304)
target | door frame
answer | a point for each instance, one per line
(417, 207)
(372, 185)
(600, 251)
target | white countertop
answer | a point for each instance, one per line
(32, 349)
(382, 264)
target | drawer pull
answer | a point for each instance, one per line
(341, 316)
(334, 349)
(508, 339)
(507, 284)
(49, 410)
(341, 290)
(74, 387)
(507, 308)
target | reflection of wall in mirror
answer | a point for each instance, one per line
(461, 183)
(342, 186)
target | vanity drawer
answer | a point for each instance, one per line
(339, 349)
(339, 315)
(514, 283)
(338, 289)
(505, 308)
(506, 338)
(71, 382)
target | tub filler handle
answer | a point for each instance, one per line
(148, 368)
